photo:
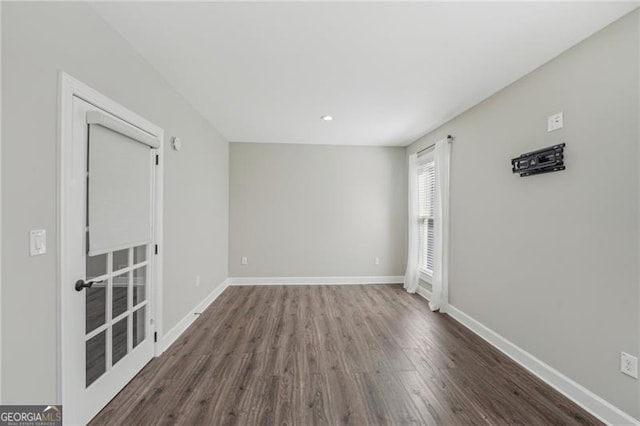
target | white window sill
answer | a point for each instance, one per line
(426, 277)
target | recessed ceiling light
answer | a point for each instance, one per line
(327, 117)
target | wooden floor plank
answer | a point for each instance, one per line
(332, 355)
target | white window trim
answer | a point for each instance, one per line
(1, 400)
(423, 276)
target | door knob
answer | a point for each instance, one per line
(80, 284)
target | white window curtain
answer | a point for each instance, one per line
(411, 275)
(440, 279)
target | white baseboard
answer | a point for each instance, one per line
(177, 330)
(315, 280)
(591, 402)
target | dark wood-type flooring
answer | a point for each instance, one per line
(309, 355)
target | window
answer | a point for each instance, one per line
(426, 203)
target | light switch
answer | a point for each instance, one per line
(38, 242)
(555, 122)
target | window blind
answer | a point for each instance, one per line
(426, 201)
(119, 191)
(122, 127)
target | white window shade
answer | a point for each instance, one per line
(119, 191)
(122, 127)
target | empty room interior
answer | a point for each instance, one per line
(320, 213)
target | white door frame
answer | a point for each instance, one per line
(0, 223)
(69, 88)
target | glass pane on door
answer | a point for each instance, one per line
(139, 326)
(139, 254)
(95, 306)
(119, 340)
(139, 284)
(120, 259)
(120, 292)
(96, 266)
(96, 296)
(96, 357)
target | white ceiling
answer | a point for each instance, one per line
(388, 72)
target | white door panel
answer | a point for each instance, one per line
(107, 308)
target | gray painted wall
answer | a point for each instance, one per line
(316, 211)
(551, 262)
(37, 40)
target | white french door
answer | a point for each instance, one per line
(107, 257)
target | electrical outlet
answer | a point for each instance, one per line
(377, 261)
(244, 261)
(555, 122)
(197, 280)
(629, 365)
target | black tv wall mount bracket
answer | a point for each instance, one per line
(544, 160)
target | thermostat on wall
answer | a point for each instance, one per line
(176, 143)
